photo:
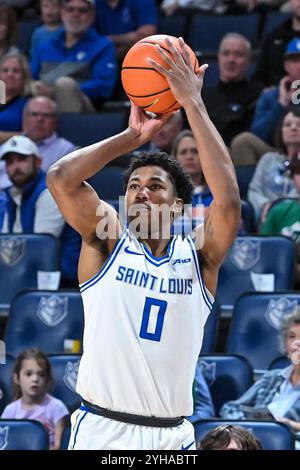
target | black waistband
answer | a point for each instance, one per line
(133, 419)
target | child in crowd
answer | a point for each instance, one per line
(32, 377)
(50, 13)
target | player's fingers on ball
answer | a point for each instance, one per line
(166, 56)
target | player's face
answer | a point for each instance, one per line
(31, 379)
(150, 196)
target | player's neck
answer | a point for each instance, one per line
(158, 247)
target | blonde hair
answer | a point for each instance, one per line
(24, 66)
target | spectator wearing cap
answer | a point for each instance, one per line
(269, 69)
(40, 124)
(271, 105)
(269, 181)
(77, 66)
(30, 207)
(126, 21)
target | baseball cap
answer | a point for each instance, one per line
(293, 48)
(19, 144)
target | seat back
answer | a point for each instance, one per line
(255, 325)
(174, 25)
(211, 330)
(65, 370)
(271, 434)
(44, 319)
(206, 32)
(25, 30)
(108, 182)
(21, 257)
(244, 175)
(228, 377)
(249, 259)
(65, 438)
(86, 129)
(23, 434)
(273, 19)
(280, 362)
(248, 216)
(6, 375)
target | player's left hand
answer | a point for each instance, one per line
(185, 84)
(146, 125)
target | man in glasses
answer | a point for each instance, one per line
(77, 66)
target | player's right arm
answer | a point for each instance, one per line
(77, 200)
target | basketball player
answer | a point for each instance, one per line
(146, 297)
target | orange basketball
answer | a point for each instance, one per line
(145, 86)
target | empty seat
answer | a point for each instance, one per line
(228, 377)
(206, 32)
(23, 434)
(21, 257)
(65, 370)
(249, 259)
(174, 25)
(86, 129)
(44, 319)
(211, 330)
(255, 325)
(272, 435)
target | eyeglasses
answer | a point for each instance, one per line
(43, 115)
(80, 10)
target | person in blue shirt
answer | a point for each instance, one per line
(50, 13)
(126, 21)
(77, 66)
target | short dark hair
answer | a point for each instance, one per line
(220, 437)
(180, 179)
(280, 145)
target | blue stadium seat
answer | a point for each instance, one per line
(174, 25)
(244, 175)
(255, 254)
(21, 257)
(273, 19)
(228, 377)
(271, 434)
(108, 183)
(86, 129)
(25, 30)
(23, 434)
(44, 319)
(64, 370)
(65, 438)
(206, 32)
(6, 383)
(280, 362)
(248, 216)
(255, 325)
(210, 330)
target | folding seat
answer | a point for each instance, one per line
(210, 330)
(6, 381)
(86, 129)
(256, 263)
(49, 320)
(206, 32)
(108, 182)
(21, 257)
(23, 434)
(255, 325)
(271, 434)
(273, 19)
(65, 370)
(244, 175)
(228, 376)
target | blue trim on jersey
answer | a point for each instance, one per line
(106, 265)
(202, 286)
(79, 423)
(163, 259)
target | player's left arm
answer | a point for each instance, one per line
(223, 218)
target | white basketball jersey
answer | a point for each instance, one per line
(144, 320)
